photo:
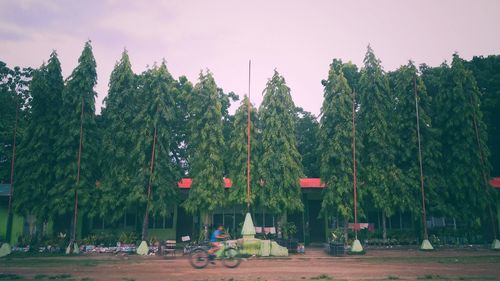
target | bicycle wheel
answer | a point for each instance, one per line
(231, 257)
(198, 258)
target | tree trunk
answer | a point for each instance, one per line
(282, 224)
(206, 218)
(400, 220)
(346, 230)
(384, 228)
(145, 225)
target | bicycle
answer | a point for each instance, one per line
(230, 256)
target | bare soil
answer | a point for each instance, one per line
(376, 264)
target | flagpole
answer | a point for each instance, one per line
(248, 229)
(248, 137)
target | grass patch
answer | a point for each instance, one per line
(57, 262)
(60, 277)
(443, 260)
(4, 276)
(322, 277)
(431, 277)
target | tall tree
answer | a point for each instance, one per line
(75, 145)
(14, 97)
(37, 154)
(463, 140)
(206, 148)
(307, 134)
(15, 112)
(155, 182)
(380, 173)
(280, 164)
(404, 82)
(238, 156)
(118, 140)
(486, 71)
(336, 145)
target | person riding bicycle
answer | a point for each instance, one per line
(217, 235)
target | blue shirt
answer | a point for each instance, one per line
(216, 233)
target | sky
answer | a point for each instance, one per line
(297, 38)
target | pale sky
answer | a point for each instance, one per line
(298, 38)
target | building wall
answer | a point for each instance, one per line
(17, 226)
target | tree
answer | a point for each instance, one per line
(14, 97)
(118, 140)
(155, 146)
(307, 133)
(336, 145)
(76, 143)
(280, 165)
(37, 155)
(463, 141)
(404, 82)
(206, 149)
(181, 129)
(486, 71)
(238, 156)
(380, 173)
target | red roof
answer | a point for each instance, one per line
(311, 183)
(304, 183)
(495, 182)
(186, 183)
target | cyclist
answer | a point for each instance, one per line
(217, 235)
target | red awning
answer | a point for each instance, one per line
(304, 183)
(495, 182)
(186, 183)
(311, 183)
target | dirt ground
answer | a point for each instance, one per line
(376, 264)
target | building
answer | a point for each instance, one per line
(310, 225)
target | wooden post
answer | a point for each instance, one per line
(424, 215)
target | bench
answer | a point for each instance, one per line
(169, 247)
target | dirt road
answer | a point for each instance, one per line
(376, 264)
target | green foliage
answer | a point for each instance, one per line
(306, 133)
(464, 160)
(280, 165)
(403, 82)
(79, 89)
(37, 153)
(14, 94)
(193, 124)
(336, 144)
(206, 147)
(238, 155)
(486, 71)
(227, 124)
(157, 110)
(118, 140)
(378, 136)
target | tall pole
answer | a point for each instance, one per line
(354, 161)
(12, 169)
(75, 213)
(248, 137)
(424, 216)
(151, 169)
